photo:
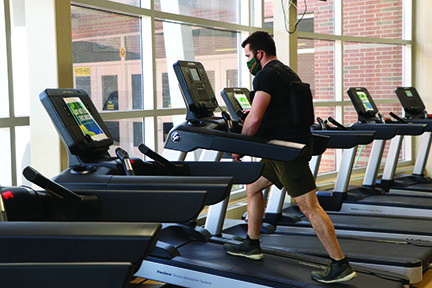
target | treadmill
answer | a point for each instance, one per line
(375, 224)
(182, 247)
(91, 167)
(408, 259)
(73, 254)
(416, 183)
(213, 267)
(44, 253)
(368, 198)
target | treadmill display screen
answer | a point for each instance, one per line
(195, 75)
(408, 93)
(84, 119)
(196, 89)
(243, 101)
(411, 102)
(365, 101)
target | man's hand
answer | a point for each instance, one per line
(242, 115)
(237, 157)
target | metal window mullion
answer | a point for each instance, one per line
(10, 122)
(141, 113)
(318, 36)
(155, 108)
(12, 139)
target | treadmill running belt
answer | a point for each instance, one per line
(272, 271)
(395, 253)
(417, 226)
(397, 200)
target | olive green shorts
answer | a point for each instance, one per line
(295, 175)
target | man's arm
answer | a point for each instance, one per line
(253, 120)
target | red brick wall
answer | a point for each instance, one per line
(374, 66)
(379, 18)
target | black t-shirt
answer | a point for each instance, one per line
(277, 121)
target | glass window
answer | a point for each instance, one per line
(137, 92)
(114, 129)
(268, 14)
(316, 16)
(221, 10)
(328, 160)
(316, 67)
(138, 132)
(5, 154)
(378, 19)
(20, 62)
(363, 154)
(166, 99)
(132, 47)
(110, 97)
(106, 55)
(215, 49)
(377, 67)
(350, 117)
(83, 82)
(164, 124)
(97, 50)
(22, 146)
(129, 133)
(166, 128)
(232, 78)
(4, 90)
(138, 3)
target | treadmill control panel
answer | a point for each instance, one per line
(237, 100)
(412, 103)
(77, 120)
(363, 104)
(196, 89)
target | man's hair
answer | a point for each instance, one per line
(260, 40)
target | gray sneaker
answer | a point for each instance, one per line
(244, 249)
(334, 272)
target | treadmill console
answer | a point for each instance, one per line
(412, 103)
(196, 89)
(76, 119)
(237, 100)
(364, 105)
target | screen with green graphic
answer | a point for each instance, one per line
(243, 101)
(408, 93)
(364, 99)
(84, 119)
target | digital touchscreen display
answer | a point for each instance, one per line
(84, 119)
(364, 99)
(243, 101)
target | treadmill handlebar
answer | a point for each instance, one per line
(3, 215)
(156, 157)
(86, 206)
(398, 118)
(336, 123)
(125, 160)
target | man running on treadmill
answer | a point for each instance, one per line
(268, 119)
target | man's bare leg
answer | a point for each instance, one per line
(321, 223)
(255, 206)
(250, 247)
(339, 269)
